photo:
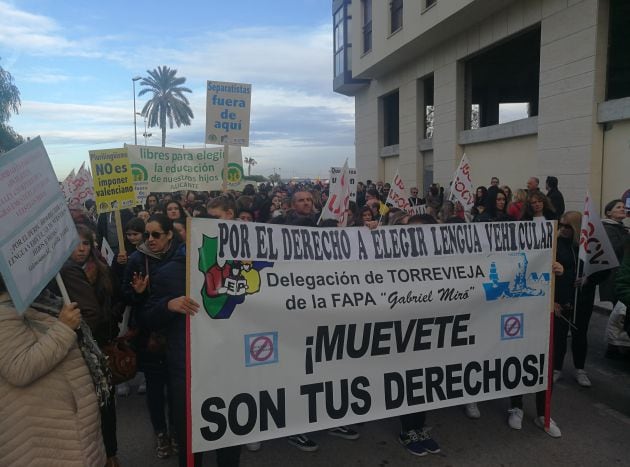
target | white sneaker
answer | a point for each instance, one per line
(472, 411)
(515, 419)
(582, 379)
(557, 374)
(253, 447)
(553, 430)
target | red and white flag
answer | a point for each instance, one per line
(397, 195)
(338, 198)
(462, 188)
(596, 251)
(66, 185)
(81, 188)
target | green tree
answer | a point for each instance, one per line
(275, 178)
(9, 104)
(168, 100)
(249, 161)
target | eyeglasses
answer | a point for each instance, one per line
(155, 234)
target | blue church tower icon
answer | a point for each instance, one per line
(497, 289)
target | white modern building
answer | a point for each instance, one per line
(523, 87)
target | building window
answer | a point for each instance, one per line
(428, 85)
(339, 35)
(367, 25)
(396, 15)
(618, 76)
(390, 119)
(502, 82)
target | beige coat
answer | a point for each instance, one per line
(49, 413)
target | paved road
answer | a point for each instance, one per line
(595, 426)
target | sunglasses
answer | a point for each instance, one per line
(155, 235)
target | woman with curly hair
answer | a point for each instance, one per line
(538, 207)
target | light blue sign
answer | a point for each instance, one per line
(37, 233)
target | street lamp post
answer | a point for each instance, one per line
(145, 134)
(135, 128)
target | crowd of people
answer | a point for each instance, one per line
(58, 347)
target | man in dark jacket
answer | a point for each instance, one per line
(302, 211)
(106, 228)
(555, 197)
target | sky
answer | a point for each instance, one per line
(73, 62)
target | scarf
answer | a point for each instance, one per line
(144, 249)
(96, 362)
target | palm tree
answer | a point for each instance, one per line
(250, 161)
(168, 99)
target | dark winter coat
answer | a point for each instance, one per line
(100, 311)
(167, 280)
(622, 283)
(617, 235)
(566, 254)
(557, 201)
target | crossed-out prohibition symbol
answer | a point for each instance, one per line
(512, 326)
(261, 348)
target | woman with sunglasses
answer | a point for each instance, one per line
(569, 232)
(161, 289)
(150, 343)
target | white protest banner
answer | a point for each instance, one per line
(37, 234)
(303, 329)
(596, 251)
(81, 188)
(338, 202)
(107, 252)
(228, 107)
(352, 172)
(167, 170)
(461, 188)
